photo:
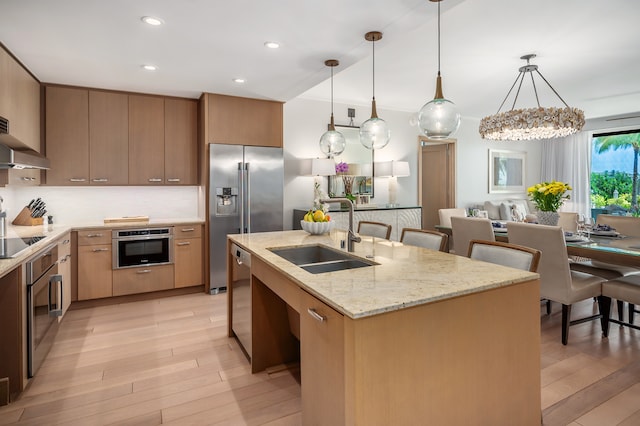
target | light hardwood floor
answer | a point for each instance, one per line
(168, 361)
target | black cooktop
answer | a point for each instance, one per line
(9, 247)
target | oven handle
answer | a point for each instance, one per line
(143, 237)
(57, 278)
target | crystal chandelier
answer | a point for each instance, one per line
(438, 118)
(531, 123)
(332, 142)
(374, 133)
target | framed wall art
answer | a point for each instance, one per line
(507, 171)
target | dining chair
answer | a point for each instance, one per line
(374, 229)
(625, 225)
(625, 289)
(557, 282)
(568, 221)
(445, 215)
(465, 229)
(505, 254)
(433, 240)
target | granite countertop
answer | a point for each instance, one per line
(406, 275)
(53, 232)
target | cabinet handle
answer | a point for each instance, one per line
(93, 235)
(144, 271)
(188, 229)
(63, 260)
(173, 180)
(185, 243)
(95, 250)
(155, 180)
(77, 180)
(100, 180)
(66, 242)
(315, 315)
(27, 178)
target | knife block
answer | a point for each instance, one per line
(24, 219)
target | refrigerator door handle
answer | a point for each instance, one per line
(248, 198)
(241, 180)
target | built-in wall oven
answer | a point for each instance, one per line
(44, 305)
(142, 247)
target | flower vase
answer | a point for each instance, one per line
(548, 218)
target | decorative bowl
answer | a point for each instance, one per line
(316, 228)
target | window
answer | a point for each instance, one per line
(614, 173)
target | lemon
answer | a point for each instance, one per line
(318, 216)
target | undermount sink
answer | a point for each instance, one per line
(317, 259)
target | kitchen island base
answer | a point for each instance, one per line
(471, 359)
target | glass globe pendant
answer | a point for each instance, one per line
(332, 142)
(374, 133)
(439, 118)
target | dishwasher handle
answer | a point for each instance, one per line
(242, 257)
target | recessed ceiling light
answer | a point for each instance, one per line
(152, 20)
(150, 67)
(272, 44)
(239, 80)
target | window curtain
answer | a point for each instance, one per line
(569, 160)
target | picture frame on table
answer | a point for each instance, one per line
(507, 171)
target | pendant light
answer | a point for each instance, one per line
(531, 123)
(332, 142)
(439, 118)
(374, 133)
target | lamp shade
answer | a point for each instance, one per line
(323, 167)
(392, 169)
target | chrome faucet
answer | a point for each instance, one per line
(351, 236)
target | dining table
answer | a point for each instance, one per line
(611, 248)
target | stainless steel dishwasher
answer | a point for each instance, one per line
(241, 297)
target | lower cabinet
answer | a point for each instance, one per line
(142, 280)
(322, 366)
(95, 274)
(187, 255)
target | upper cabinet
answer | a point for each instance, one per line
(146, 140)
(244, 121)
(98, 137)
(180, 141)
(108, 138)
(20, 101)
(67, 135)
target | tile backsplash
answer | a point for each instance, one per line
(71, 205)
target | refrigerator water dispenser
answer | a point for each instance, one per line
(226, 201)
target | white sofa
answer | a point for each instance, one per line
(505, 210)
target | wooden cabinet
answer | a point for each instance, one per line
(180, 141)
(13, 331)
(98, 137)
(142, 280)
(20, 101)
(24, 177)
(67, 135)
(187, 255)
(146, 140)
(108, 138)
(244, 121)
(95, 275)
(322, 369)
(64, 269)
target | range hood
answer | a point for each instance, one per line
(15, 155)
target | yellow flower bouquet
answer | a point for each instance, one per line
(549, 196)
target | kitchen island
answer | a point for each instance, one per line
(422, 337)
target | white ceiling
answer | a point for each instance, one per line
(587, 49)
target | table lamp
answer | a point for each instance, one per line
(392, 170)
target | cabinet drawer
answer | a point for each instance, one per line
(187, 231)
(94, 236)
(142, 280)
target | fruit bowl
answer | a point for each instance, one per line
(316, 228)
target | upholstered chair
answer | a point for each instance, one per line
(374, 229)
(557, 282)
(446, 214)
(505, 254)
(465, 229)
(433, 240)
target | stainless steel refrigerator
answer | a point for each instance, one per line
(245, 184)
